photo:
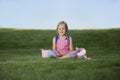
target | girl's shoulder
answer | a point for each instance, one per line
(57, 37)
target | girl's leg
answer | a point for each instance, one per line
(65, 56)
(52, 54)
(68, 56)
(82, 54)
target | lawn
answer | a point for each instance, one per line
(20, 56)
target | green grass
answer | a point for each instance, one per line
(20, 57)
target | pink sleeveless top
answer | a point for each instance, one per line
(63, 44)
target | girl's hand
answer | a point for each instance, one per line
(63, 53)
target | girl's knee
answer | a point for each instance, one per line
(81, 52)
(52, 54)
(83, 49)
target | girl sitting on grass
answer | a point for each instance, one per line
(62, 44)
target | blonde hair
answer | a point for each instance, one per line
(61, 23)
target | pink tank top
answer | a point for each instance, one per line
(63, 44)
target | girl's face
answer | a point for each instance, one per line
(61, 30)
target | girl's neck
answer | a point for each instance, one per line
(62, 36)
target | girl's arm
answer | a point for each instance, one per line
(53, 44)
(71, 44)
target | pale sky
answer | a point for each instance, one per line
(45, 14)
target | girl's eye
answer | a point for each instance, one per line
(63, 29)
(59, 28)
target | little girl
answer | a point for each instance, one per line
(62, 44)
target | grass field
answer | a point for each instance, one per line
(20, 57)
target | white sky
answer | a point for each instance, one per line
(45, 14)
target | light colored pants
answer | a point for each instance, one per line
(78, 52)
